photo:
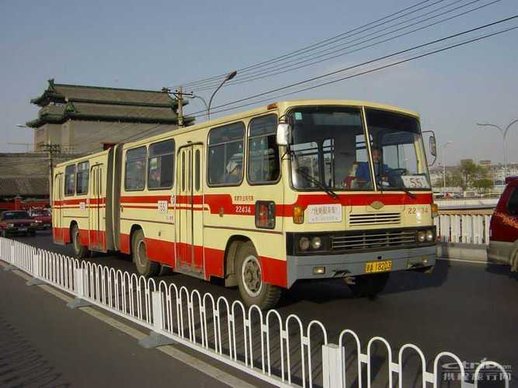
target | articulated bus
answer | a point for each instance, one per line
(311, 189)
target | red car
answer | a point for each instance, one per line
(503, 229)
(17, 222)
(42, 217)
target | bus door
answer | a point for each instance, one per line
(58, 229)
(96, 210)
(189, 209)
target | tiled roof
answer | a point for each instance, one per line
(25, 186)
(28, 164)
(128, 111)
(95, 94)
(105, 112)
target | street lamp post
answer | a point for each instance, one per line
(192, 95)
(444, 166)
(227, 78)
(504, 135)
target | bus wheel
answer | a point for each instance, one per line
(80, 251)
(369, 285)
(249, 278)
(144, 266)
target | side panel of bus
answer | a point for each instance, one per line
(57, 211)
(232, 211)
(143, 209)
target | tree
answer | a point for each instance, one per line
(454, 179)
(470, 172)
(483, 184)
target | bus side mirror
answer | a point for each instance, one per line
(433, 146)
(283, 134)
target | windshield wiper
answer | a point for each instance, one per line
(316, 182)
(409, 193)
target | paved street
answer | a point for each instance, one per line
(468, 309)
(43, 343)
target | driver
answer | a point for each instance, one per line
(381, 170)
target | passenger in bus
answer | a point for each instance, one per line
(381, 170)
(234, 172)
(154, 178)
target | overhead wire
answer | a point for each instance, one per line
(342, 50)
(321, 43)
(232, 105)
(300, 58)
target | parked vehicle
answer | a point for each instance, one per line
(503, 230)
(17, 222)
(42, 218)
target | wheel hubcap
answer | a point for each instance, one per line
(251, 275)
(76, 241)
(141, 253)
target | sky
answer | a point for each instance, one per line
(152, 44)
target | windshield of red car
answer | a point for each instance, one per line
(15, 215)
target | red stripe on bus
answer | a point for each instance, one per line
(274, 271)
(145, 198)
(354, 200)
(223, 202)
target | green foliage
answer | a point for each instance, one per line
(484, 184)
(470, 175)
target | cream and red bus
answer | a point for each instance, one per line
(311, 189)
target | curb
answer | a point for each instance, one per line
(471, 252)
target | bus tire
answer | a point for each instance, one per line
(144, 266)
(80, 251)
(369, 285)
(252, 288)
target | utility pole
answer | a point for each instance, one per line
(179, 98)
(179, 95)
(51, 150)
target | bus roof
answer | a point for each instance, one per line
(281, 105)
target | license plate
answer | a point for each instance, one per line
(378, 266)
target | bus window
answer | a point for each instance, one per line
(83, 170)
(263, 157)
(135, 177)
(70, 180)
(225, 164)
(161, 165)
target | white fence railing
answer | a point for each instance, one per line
(463, 228)
(280, 350)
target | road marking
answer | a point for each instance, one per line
(171, 351)
(469, 261)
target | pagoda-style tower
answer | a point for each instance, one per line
(80, 119)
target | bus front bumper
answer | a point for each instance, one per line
(342, 265)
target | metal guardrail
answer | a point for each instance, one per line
(463, 228)
(281, 351)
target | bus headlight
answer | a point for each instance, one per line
(316, 243)
(429, 235)
(304, 243)
(421, 236)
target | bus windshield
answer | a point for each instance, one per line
(330, 152)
